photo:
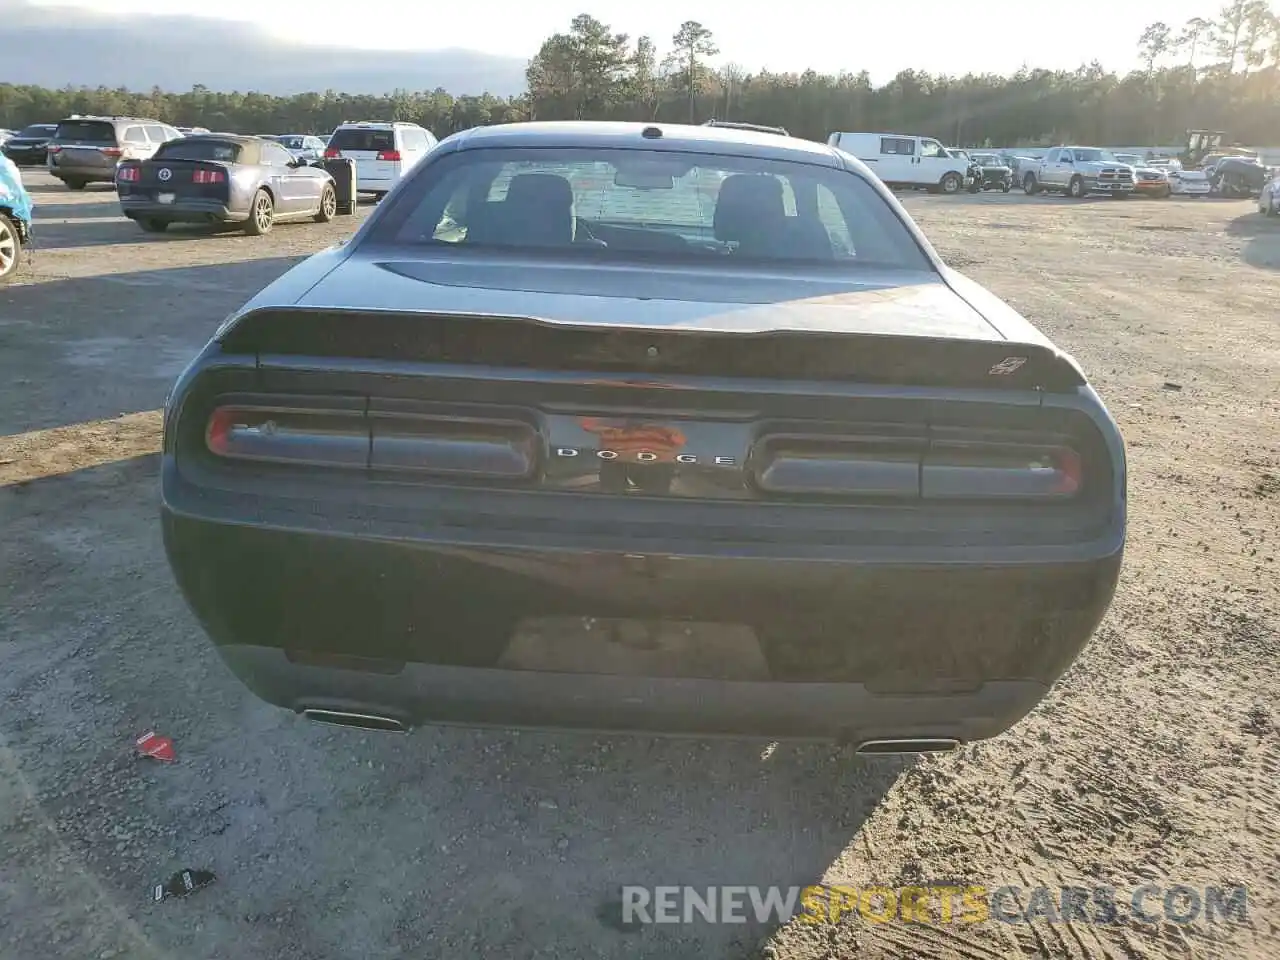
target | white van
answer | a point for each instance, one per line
(905, 161)
(383, 151)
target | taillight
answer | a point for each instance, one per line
(112, 151)
(289, 436)
(441, 446)
(128, 174)
(332, 154)
(208, 176)
(54, 148)
(393, 155)
(979, 471)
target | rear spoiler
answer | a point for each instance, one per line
(530, 343)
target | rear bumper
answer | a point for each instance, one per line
(89, 173)
(26, 156)
(473, 696)
(855, 649)
(182, 211)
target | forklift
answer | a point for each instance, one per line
(1200, 143)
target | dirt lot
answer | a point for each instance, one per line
(1156, 760)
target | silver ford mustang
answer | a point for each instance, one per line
(222, 178)
(643, 427)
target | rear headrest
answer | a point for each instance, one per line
(539, 209)
(747, 202)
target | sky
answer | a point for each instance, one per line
(940, 36)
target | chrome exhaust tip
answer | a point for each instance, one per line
(910, 745)
(365, 721)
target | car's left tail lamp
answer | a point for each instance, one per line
(319, 438)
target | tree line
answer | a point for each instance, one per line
(1220, 72)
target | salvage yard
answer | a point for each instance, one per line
(1156, 760)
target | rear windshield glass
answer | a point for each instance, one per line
(378, 140)
(37, 130)
(292, 143)
(199, 150)
(641, 204)
(86, 131)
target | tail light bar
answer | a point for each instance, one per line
(393, 155)
(799, 465)
(441, 446)
(909, 465)
(984, 471)
(914, 468)
(111, 151)
(208, 176)
(317, 438)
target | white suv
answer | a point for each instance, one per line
(383, 152)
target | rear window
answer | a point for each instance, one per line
(86, 131)
(188, 149)
(376, 140)
(37, 130)
(292, 143)
(643, 204)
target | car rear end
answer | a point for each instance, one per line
(29, 147)
(787, 504)
(1194, 183)
(189, 181)
(85, 151)
(376, 154)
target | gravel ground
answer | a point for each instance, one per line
(1156, 759)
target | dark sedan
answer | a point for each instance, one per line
(223, 179)
(29, 147)
(811, 481)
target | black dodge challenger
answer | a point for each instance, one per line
(219, 178)
(657, 428)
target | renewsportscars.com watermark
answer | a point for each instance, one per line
(1148, 903)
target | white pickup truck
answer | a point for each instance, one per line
(1078, 172)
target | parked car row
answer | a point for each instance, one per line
(165, 175)
(80, 150)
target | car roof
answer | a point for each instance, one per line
(238, 137)
(674, 137)
(375, 124)
(95, 118)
